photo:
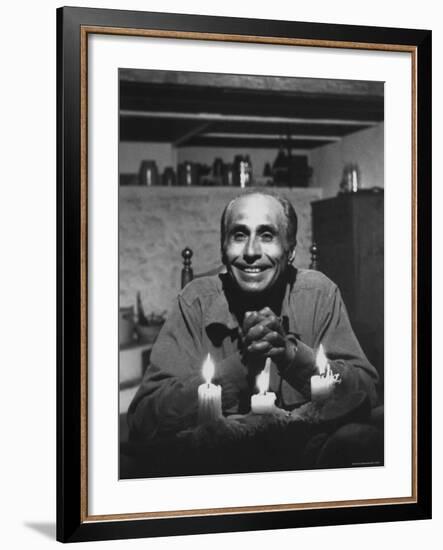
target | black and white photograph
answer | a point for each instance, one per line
(218, 317)
(251, 273)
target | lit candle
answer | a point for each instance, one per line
(322, 384)
(264, 401)
(209, 395)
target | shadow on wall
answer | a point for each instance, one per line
(46, 529)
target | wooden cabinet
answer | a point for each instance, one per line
(349, 233)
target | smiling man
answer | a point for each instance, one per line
(261, 307)
(258, 243)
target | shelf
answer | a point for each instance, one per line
(216, 190)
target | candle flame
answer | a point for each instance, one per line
(263, 380)
(208, 369)
(321, 360)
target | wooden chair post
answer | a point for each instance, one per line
(314, 257)
(187, 272)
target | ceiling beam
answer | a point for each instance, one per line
(270, 136)
(293, 84)
(244, 118)
(241, 143)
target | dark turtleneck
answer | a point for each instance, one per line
(240, 302)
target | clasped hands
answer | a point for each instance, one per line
(263, 336)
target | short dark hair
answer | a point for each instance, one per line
(288, 209)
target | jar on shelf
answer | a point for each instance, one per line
(187, 173)
(351, 179)
(242, 171)
(168, 177)
(228, 175)
(148, 173)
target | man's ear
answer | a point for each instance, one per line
(291, 255)
(223, 256)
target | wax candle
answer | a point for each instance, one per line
(323, 384)
(209, 395)
(264, 401)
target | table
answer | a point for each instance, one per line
(333, 434)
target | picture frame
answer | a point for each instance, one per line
(75, 211)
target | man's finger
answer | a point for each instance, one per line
(266, 311)
(271, 324)
(251, 319)
(260, 346)
(266, 329)
(274, 338)
(273, 352)
(256, 333)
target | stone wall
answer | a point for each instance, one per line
(156, 223)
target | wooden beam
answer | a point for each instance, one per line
(245, 118)
(326, 86)
(270, 136)
(248, 143)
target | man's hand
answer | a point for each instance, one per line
(264, 336)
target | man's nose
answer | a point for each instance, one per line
(252, 250)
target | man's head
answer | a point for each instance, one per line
(258, 239)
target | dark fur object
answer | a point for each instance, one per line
(248, 443)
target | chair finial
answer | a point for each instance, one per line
(187, 272)
(314, 257)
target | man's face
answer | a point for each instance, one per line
(256, 251)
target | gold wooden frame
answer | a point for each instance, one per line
(85, 31)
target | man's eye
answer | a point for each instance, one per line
(267, 237)
(238, 236)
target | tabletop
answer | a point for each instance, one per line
(336, 433)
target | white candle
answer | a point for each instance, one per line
(264, 401)
(209, 396)
(323, 384)
(321, 387)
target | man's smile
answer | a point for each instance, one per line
(251, 269)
